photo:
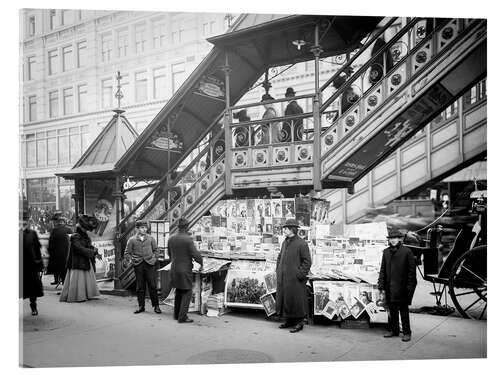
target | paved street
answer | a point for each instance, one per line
(104, 332)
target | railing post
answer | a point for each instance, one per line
(316, 50)
(227, 129)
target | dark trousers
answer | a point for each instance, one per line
(181, 304)
(294, 321)
(394, 310)
(145, 274)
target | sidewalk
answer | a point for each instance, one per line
(105, 332)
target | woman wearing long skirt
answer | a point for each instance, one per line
(80, 282)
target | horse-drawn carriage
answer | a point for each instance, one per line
(463, 274)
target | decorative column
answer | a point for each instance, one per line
(316, 51)
(118, 196)
(227, 129)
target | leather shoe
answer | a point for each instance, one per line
(391, 334)
(285, 325)
(406, 338)
(139, 310)
(187, 320)
(297, 328)
(157, 310)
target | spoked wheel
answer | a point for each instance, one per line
(468, 283)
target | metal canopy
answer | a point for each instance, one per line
(254, 43)
(100, 157)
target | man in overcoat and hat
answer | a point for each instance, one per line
(292, 267)
(58, 248)
(293, 108)
(398, 279)
(143, 251)
(30, 264)
(182, 252)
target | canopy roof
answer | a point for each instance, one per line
(253, 44)
(101, 156)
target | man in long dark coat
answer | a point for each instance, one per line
(292, 267)
(293, 108)
(182, 252)
(31, 265)
(398, 279)
(58, 249)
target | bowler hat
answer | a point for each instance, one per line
(266, 97)
(56, 216)
(395, 233)
(291, 223)
(183, 223)
(241, 115)
(290, 92)
(88, 222)
(141, 223)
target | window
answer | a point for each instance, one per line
(68, 104)
(81, 51)
(107, 93)
(52, 147)
(159, 34)
(67, 53)
(159, 83)
(32, 108)
(74, 144)
(52, 19)
(85, 137)
(122, 37)
(82, 98)
(177, 35)
(41, 193)
(141, 86)
(31, 67)
(125, 85)
(30, 150)
(209, 28)
(52, 62)
(31, 25)
(53, 104)
(106, 47)
(178, 76)
(41, 149)
(78, 15)
(63, 143)
(140, 38)
(66, 17)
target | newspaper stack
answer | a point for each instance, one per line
(215, 305)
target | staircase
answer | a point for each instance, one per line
(431, 68)
(435, 152)
(428, 75)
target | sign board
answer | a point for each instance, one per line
(105, 267)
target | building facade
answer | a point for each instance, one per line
(69, 60)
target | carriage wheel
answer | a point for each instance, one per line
(468, 283)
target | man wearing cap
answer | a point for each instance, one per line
(292, 267)
(398, 279)
(142, 250)
(292, 109)
(182, 252)
(58, 248)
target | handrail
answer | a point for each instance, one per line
(176, 181)
(360, 51)
(255, 104)
(174, 167)
(197, 180)
(270, 120)
(358, 73)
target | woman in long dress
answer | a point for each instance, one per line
(80, 282)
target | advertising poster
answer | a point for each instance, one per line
(105, 267)
(269, 304)
(288, 207)
(99, 203)
(244, 288)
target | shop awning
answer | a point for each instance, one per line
(253, 44)
(475, 171)
(101, 156)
